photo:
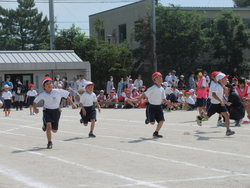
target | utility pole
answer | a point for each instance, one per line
(52, 24)
(153, 28)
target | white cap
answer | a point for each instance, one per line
(181, 76)
(113, 88)
(165, 84)
(6, 86)
(180, 93)
(88, 83)
(59, 85)
(220, 76)
(101, 91)
(191, 90)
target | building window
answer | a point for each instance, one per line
(122, 33)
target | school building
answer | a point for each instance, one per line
(119, 23)
(32, 66)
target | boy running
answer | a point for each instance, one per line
(154, 110)
(217, 103)
(51, 112)
(88, 112)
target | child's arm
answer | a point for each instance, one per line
(26, 99)
(70, 100)
(35, 108)
(83, 109)
(98, 106)
(218, 99)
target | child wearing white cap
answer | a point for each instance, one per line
(7, 98)
(88, 112)
(217, 104)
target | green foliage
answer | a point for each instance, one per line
(229, 38)
(23, 28)
(242, 3)
(105, 59)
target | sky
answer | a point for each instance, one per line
(78, 13)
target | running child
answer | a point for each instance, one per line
(7, 99)
(154, 110)
(31, 95)
(88, 112)
(217, 104)
(51, 112)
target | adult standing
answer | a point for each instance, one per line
(110, 84)
(57, 81)
(138, 83)
(172, 79)
(19, 95)
(234, 74)
(191, 81)
(8, 82)
(81, 82)
(120, 87)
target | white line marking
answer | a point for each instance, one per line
(13, 174)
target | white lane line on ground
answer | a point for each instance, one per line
(135, 181)
(13, 174)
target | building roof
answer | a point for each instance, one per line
(66, 56)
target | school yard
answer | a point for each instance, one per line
(123, 154)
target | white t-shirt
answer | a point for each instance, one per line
(218, 89)
(190, 100)
(168, 91)
(181, 99)
(87, 99)
(155, 95)
(138, 84)
(52, 100)
(211, 89)
(32, 93)
(81, 84)
(6, 95)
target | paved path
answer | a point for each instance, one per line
(123, 154)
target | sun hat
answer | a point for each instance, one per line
(46, 79)
(220, 76)
(156, 74)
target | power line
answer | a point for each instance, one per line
(74, 1)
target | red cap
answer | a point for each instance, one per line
(213, 74)
(46, 79)
(235, 79)
(111, 91)
(188, 93)
(127, 89)
(144, 87)
(31, 85)
(156, 74)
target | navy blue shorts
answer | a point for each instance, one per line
(154, 113)
(51, 116)
(7, 104)
(90, 114)
(215, 108)
(201, 102)
(30, 100)
(192, 106)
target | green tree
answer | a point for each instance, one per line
(27, 30)
(180, 41)
(242, 3)
(105, 59)
(229, 38)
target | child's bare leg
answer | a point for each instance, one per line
(159, 125)
(92, 125)
(48, 131)
(226, 116)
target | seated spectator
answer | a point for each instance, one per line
(193, 95)
(189, 102)
(181, 83)
(170, 95)
(130, 102)
(122, 96)
(143, 102)
(112, 97)
(135, 93)
(101, 98)
(181, 100)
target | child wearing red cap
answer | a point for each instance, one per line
(30, 97)
(154, 110)
(88, 112)
(51, 113)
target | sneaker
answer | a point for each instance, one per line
(204, 119)
(91, 135)
(229, 132)
(238, 122)
(49, 145)
(146, 121)
(199, 120)
(219, 122)
(156, 134)
(167, 110)
(81, 121)
(44, 127)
